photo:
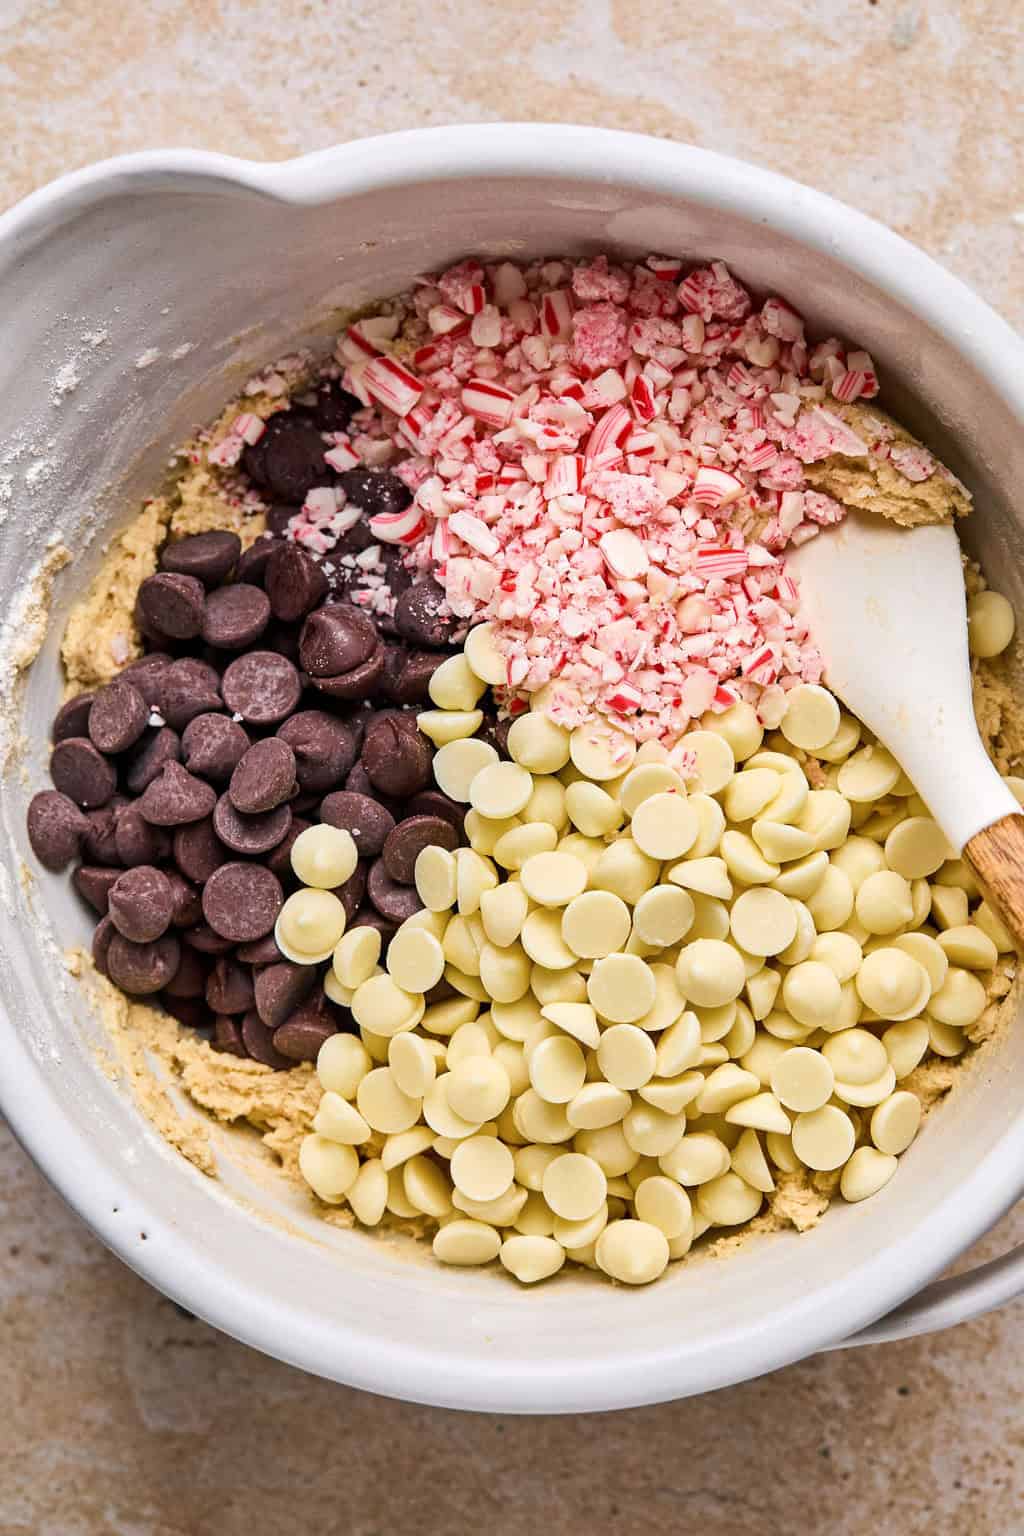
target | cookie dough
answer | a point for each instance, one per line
(873, 483)
(101, 635)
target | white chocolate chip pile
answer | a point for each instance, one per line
(670, 977)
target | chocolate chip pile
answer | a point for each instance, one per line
(265, 704)
(284, 466)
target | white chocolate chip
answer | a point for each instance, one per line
(457, 764)
(665, 826)
(435, 876)
(341, 1064)
(415, 960)
(309, 926)
(500, 789)
(812, 717)
(621, 988)
(990, 624)
(538, 744)
(532, 1258)
(454, 684)
(482, 1168)
(466, 1242)
(324, 856)
(553, 879)
(867, 1171)
(824, 1138)
(633, 1252)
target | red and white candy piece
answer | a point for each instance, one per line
(715, 487)
(399, 527)
(487, 402)
(625, 554)
(392, 384)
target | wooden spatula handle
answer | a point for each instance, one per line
(997, 853)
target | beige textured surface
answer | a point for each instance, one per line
(124, 1417)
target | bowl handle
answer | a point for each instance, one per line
(955, 1299)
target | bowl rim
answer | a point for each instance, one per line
(818, 1318)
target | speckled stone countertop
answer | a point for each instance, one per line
(124, 1416)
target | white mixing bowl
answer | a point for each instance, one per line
(237, 261)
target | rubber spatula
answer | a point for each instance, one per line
(886, 606)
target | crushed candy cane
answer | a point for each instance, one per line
(607, 462)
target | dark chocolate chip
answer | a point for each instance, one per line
(336, 639)
(302, 805)
(213, 746)
(137, 841)
(261, 952)
(188, 909)
(375, 491)
(365, 818)
(284, 639)
(189, 980)
(259, 1043)
(141, 903)
(262, 687)
(432, 802)
(56, 828)
(397, 760)
(279, 989)
(293, 462)
(177, 797)
(397, 579)
(250, 834)
(295, 582)
(173, 605)
(324, 746)
(334, 407)
(141, 969)
(241, 901)
(190, 1011)
(72, 719)
(206, 940)
(197, 850)
(101, 938)
(278, 518)
(368, 917)
(301, 1036)
(235, 616)
(392, 900)
(146, 675)
(407, 674)
(93, 884)
(82, 773)
(209, 557)
(229, 987)
(99, 845)
(265, 777)
(279, 859)
(358, 683)
(351, 894)
(357, 782)
(422, 615)
(440, 992)
(408, 840)
(227, 1036)
(252, 566)
(254, 454)
(188, 688)
(146, 761)
(495, 733)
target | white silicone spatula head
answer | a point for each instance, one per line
(887, 608)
